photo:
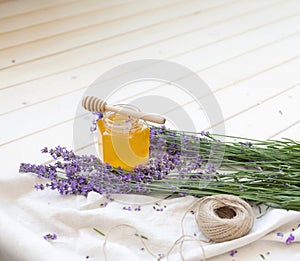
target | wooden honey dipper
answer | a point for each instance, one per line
(95, 104)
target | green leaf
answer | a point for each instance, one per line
(141, 236)
(99, 232)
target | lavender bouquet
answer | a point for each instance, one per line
(185, 163)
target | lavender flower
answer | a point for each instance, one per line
(204, 133)
(44, 150)
(138, 208)
(181, 164)
(73, 174)
(39, 187)
(99, 116)
(246, 144)
(104, 204)
(233, 252)
(50, 237)
(279, 234)
(290, 239)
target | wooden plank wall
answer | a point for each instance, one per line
(51, 51)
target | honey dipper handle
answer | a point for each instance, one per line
(95, 104)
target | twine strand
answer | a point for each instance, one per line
(220, 218)
(117, 227)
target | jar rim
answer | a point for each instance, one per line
(123, 125)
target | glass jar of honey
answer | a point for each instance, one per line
(123, 141)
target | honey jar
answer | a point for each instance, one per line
(123, 140)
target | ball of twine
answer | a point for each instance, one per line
(224, 217)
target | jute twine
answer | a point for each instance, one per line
(224, 217)
(220, 218)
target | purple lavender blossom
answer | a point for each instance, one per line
(246, 144)
(81, 174)
(279, 234)
(138, 208)
(39, 186)
(50, 237)
(99, 116)
(44, 150)
(233, 252)
(290, 239)
(204, 133)
(104, 204)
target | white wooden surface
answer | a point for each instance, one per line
(50, 51)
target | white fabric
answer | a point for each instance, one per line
(27, 215)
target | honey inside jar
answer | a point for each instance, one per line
(123, 141)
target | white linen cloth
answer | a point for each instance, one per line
(27, 215)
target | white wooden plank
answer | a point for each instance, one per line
(86, 74)
(53, 109)
(292, 132)
(254, 63)
(87, 15)
(233, 101)
(133, 41)
(14, 24)
(17, 7)
(33, 119)
(227, 49)
(28, 149)
(232, 46)
(92, 35)
(268, 118)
